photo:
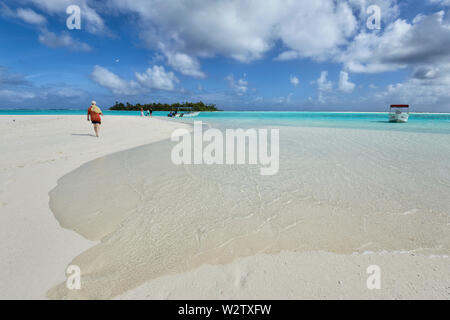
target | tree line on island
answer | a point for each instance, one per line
(186, 106)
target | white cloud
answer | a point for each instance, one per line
(322, 83)
(157, 78)
(294, 81)
(288, 55)
(65, 92)
(46, 37)
(243, 29)
(15, 95)
(64, 40)
(422, 45)
(344, 84)
(30, 16)
(283, 100)
(16, 89)
(440, 2)
(428, 86)
(91, 20)
(402, 44)
(239, 86)
(258, 99)
(8, 79)
(113, 82)
(323, 86)
(25, 14)
(321, 98)
(315, 29)
(185, 64)
(389, 10)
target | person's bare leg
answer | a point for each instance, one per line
(96, 129)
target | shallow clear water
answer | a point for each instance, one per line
(427, 123)
(347, 183)
(419, 122)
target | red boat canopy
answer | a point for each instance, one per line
(399, 106)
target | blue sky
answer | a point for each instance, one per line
(285, 55)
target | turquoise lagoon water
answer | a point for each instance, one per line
(419, 122)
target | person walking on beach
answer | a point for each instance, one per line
(94, 114)
(142, 112)
(151, 112)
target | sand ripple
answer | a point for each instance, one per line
(338, 190)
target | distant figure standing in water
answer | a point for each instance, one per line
(142, 112)
(94, 114)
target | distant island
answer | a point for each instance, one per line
(186, 106)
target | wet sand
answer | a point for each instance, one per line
(36, 151)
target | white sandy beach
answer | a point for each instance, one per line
(35, 250)
(307, 275)
(36, 152)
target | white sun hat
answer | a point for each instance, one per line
(94, 103)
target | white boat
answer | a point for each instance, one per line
(399, 113)
(191, 114)
(182, 115)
